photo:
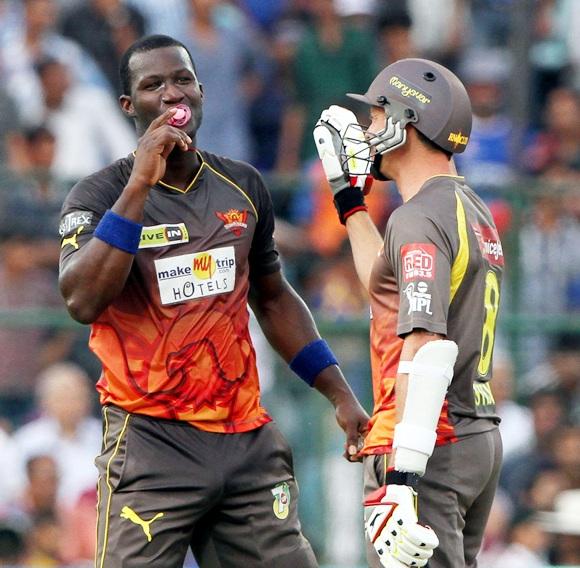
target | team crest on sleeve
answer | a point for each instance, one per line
(234, 220)
(281, 504)
(418, 261)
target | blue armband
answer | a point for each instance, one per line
(119, 232)
(312, 359)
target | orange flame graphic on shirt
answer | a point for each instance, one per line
(234, 220)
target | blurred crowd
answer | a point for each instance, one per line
(268, 69)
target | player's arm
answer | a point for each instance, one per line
(289, 327)
(425, 372)
(335, 140)
(96, 273)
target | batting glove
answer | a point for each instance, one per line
(393, 529)
(344, 153)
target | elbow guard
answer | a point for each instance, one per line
(430, 374)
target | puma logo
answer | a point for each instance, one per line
(72, 240)
(129, 514)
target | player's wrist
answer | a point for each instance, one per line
(348, 202)
(394, 477)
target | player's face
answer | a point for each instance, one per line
(160, 79)
(378, 124)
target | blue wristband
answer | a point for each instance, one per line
(119, 232)
(312, 359)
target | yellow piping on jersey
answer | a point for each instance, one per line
(105, 434)
(238, 188)
(191, 183)
(459, 267)
(110, 496)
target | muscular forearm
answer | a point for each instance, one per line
(365, 242)
(286, 322)
(98, 272)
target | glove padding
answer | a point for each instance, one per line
(393, 529)
(344, 155)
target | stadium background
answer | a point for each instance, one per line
(269, 67)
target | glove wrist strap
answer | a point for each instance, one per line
(394, 477)
(349, 201)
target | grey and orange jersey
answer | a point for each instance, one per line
(439, 270)
(175, 343)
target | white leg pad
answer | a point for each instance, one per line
(430, 374)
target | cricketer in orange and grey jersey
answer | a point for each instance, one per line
(439, 269)
(163, 355)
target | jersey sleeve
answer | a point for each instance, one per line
(264, 257)
(421, 257)
(81, 212)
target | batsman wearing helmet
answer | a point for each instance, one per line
(432, 456)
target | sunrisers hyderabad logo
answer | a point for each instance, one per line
(234, 220)
(204, 265)
(281, 504)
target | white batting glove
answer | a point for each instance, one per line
(343, 150)
(393, 529)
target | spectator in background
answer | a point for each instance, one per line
(65, 430)
(25, 348)
(439, 28)
(44, 542)
(9, 477)
(395, 33)
(332, 58)
(550, 56)
(564, 523)
(560, 372)
(226, 57)
(169, 17)
(105, 29)
(11, 141)
(487, 161)
(528, 544)
(516, 426)
(88, 127)
(549, 265)
(35, 194)
(12, 543)
(520, 470)
(39, 494)
(35, 39)
(557, 145)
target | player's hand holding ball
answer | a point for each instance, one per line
(344, 154)
(393, 529)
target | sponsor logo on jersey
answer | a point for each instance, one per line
(72, 240)
(418, 297)
(234, 220)
(489, 244)
(281, 504)
(458, 139)
(418, 261)
(192, 276)
(130, 515)
(482, 395)
(409, 90)
(70, 222)
(163, 235)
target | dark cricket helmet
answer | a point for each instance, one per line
(424, 94)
